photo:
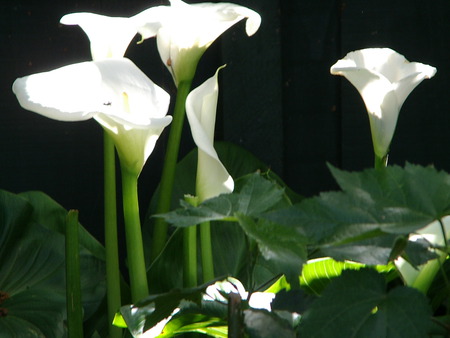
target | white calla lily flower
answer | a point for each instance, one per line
(115, 92)
(256, 300)
(201, 104)
(384, 79)
(435, 236)
(109, 36)
(185, 31)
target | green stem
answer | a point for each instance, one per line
(135, 249)
(381, 162)
(73, 280)
(428, 272)
(190, 249)
(207, 254)
(168, 174)
(190, 256)
(111, 241)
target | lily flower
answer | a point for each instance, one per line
(109, 36)
(384, 79)
(201, 104)
(115, 92)
(436, 235)
(183, 32)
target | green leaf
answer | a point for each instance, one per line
(422, 190)
(364, 221)
(261, 323)
(14, 216)
(168, 266)
(358, 304)
(52, 215)
(254, 195)
(199, 323)
(414, 196)
(32, 270)
(151, 310)
(33, 313)
(282, 247)
(30, 274)
(318, 273)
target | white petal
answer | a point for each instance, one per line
(433, 234)
(185, 31)
(134, 143)
(70, 93)
(109, 36)
(130, 107)
(384, 79)
(205, 22)
(150, 20)
(212, 177)
(417, 72)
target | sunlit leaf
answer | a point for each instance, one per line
(358, 304)
(153, 309)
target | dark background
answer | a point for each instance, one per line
(278, 99)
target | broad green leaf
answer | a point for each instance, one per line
(33, 313)
(31, 274)
(415, 196)
(195, 322)
(318, 273)
(225, 235)
(52, 215)
(238, 161)
(293, 301)
(261, 323)
(253, 195)
(282, 247)
(358, 304)
(376, 207)
(33, 266)
(372, 251)
(148, 312)
(14, 215)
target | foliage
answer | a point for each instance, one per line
(32, 272)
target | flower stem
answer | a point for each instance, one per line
(428, 272)
(135, 249)
(168, 175)
(111, 242)
(73, 281)
(190, 249)
(207, 254)
(190, 256)
(381, 162)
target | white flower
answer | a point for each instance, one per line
(185, 31)
(433, 234)
(201, 104)
(256, 300)
(384, 79)
(109, 36)
(129, 106)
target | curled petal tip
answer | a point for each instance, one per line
(252, 24)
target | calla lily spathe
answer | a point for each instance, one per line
(184, 31)
(115, 92)
(201, 104)
(109, 36)
(434, 235)
(384, 79)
